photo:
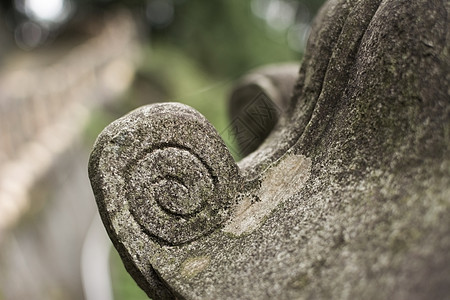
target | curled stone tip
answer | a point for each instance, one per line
(169, 167)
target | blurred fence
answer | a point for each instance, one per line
(43, 107)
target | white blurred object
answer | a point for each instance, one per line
(54, 11)
(95, 263)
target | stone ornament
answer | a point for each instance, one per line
(348, 197)
(164, 156)
(256, 102)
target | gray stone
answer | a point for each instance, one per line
(348, 197)
(256, 102)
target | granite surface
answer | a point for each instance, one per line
(347, 198)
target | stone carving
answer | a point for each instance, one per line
(256, 102)
(347, 197)
(165, 156)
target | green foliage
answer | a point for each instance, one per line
(224, 37)
(99, 119)
(124, 287)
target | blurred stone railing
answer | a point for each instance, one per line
(43, 110)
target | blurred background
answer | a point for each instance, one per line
(70, 67)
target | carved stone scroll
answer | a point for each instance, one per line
(347, 198)
(166, 172)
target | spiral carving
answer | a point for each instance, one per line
(168, 166)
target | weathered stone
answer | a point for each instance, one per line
(348, 197)
(256, 102)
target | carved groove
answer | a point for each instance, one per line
(169, 186)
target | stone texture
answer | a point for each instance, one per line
(348, 197)
(256, 102)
